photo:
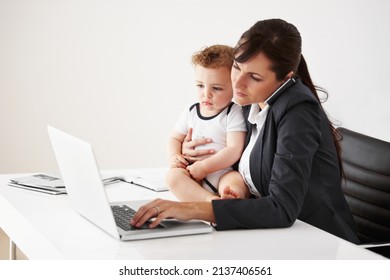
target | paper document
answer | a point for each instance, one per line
(51, 183)
(153, 179)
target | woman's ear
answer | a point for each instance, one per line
(289, 75)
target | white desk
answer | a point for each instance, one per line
(45, 227)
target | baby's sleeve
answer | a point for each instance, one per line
(235, 119)
(181, 125)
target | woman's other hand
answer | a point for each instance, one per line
(188, 148)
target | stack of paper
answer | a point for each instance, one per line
(51, 183)
(45, 183)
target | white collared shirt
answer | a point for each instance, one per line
(255, 117)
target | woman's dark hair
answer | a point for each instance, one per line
(281, 43)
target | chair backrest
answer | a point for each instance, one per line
(366, 163)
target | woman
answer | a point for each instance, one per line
(291, 162)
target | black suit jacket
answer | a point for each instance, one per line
(295, 168)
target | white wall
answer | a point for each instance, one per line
(117, 72)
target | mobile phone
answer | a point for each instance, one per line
(280, 90)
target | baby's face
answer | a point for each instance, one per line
(214, 88)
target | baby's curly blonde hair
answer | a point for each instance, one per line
(215, 56)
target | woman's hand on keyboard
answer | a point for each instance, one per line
(166, 209)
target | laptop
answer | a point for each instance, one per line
(87, 195)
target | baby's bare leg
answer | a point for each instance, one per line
(232, 185)
(185, 188)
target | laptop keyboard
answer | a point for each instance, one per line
(123, 215)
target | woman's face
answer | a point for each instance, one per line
(253, 81)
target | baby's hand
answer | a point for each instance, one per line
(178, 161)
(197, 171)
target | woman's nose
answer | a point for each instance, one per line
(237, 81)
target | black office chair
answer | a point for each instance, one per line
(366, 163)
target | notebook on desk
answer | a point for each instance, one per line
(153, 180)
(88, 197)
